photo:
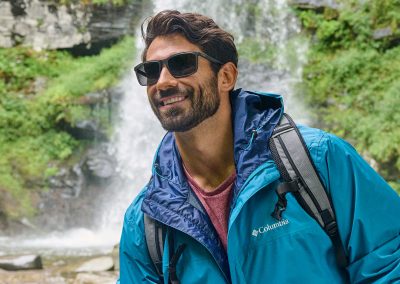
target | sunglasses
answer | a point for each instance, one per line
(180, 65)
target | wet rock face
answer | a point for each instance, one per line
(111, 22)
(43, 25)
(74, 192)
(18, 8)
(39, 25)
(85, 130)
(3, 220)
(99, 164)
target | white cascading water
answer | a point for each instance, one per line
(138, 131)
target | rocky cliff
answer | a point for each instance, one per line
(46, 24)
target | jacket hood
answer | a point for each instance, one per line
(169, 198)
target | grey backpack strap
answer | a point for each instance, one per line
(155, 237)
(300, 177)
(155, 243)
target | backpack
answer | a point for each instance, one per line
(299, 176)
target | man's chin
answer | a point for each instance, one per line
(178, 126)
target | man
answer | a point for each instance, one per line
(214, 180)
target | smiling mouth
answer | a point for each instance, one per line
(172, 100)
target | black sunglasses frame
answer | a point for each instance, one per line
(145, 81)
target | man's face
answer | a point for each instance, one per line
(182, 103)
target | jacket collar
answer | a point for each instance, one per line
(255, 116)
(169, 198)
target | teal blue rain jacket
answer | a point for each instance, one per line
(261, 249)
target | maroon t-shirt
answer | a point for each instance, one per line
(216, 203)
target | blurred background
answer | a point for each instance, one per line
(77, 135)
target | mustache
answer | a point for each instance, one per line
(168, 92)
(173, 91)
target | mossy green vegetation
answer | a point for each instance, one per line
(351, 81)
(38, 90)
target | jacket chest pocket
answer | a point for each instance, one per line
(257, 227)
(302, 256)
(294, 221)
(281, 250)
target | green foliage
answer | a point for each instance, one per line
(385, 13)
(351, 80)
(32, 143)
(13, 196)
(353, 25)
(20, 66)
(91, 73)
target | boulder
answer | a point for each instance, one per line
(23, 262)
(388, 34)
(99, 164)
(382, 33)
(85, 130)
(104, 263)
(115, 256)
(88, 278)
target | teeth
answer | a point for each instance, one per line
(173, 100)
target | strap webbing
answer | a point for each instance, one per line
(155, 243)
(293, 160)
(174, 257)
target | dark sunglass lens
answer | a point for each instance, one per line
(148, 73)
(152, 69)
(182, 65)
(140, 75)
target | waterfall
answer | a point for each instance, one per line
(139, 132)
(267, 26)
(273, 28)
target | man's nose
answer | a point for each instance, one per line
(166, 80)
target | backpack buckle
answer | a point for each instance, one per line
(281, 191)
(279, 209)
(331, 228)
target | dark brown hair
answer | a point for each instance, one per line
(197, 29)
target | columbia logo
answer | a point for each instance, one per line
(264, 229)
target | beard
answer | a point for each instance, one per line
(183, 118)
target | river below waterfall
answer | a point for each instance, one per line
(137, 132)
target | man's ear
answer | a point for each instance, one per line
(227, 76)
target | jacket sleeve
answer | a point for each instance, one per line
(135, 263)
(367, 211)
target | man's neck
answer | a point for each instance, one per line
(207, 150)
